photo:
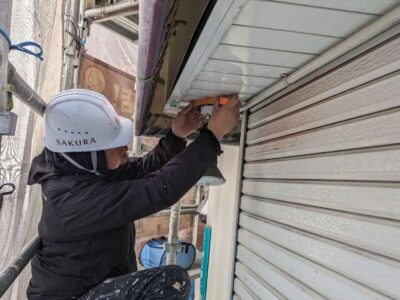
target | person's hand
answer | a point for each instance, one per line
(187, 121)
(224, 118)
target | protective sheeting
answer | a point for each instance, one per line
(39, 21)
(111, 48)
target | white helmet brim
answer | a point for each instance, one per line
(124, 135)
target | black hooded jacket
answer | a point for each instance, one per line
(86, 226)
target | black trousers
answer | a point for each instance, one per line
(167, 282)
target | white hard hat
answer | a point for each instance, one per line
(80, 120)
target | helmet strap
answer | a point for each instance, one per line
(76, 164)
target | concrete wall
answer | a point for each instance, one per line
(220, 217)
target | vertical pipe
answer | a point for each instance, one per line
(173, 244)
(70, 52)
(5, 24)
(82, 24)
(199, 190)
(239, 181)
(137, 146)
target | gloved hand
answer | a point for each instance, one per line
(224, 118)
(187, 121)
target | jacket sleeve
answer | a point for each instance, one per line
(167, 148)
(106, 205)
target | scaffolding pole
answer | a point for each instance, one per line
(173, 239)
(11, 272)
(8, 120)
(104, 13)
(5, 23)
(71, 45)
(185, 210)
(20, 88)
(199, 190)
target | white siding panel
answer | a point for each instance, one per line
(374, 200)
(352, 104)
(383, 165)
(225, 87)
(321, 179)
(379, 129)
(278, 40)
(380, 274)
(302, 18)
(235, 79)
(322, 280)
(364, 6)
(373, 234)
(261, 56)
(215, 65)
(372, 65)
(282, 282)
(254, 283)
(242, 291)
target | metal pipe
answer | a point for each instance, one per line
(189, 210)
(126, 24)
(71, 45)
(112, 10)
(20, 88)
(11, 272)
(199, 189)
(5, 24)
(153, 34)
(82, 32)
(7, 119)
(238, 197)
(385, 22)
(173, 240)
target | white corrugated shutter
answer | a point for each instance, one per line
(320, 206)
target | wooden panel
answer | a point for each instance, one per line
(379, 129)
(375, 64)
(322, 280)
(231, 88)
(365, 6)
(278, 40)
(373, 234)
(374, 200)
(282, 282)
(236, 79)
(254, 283)
(306, 19)
(383, 165)
(261, 56)
(242, 291)
(370, 270)
(246, 68)
(352, 104)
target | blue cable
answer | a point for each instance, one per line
(22, 46)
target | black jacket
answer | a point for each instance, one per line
(85, 228)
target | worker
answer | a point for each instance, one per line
(92, 193)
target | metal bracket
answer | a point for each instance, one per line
(8, 123)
